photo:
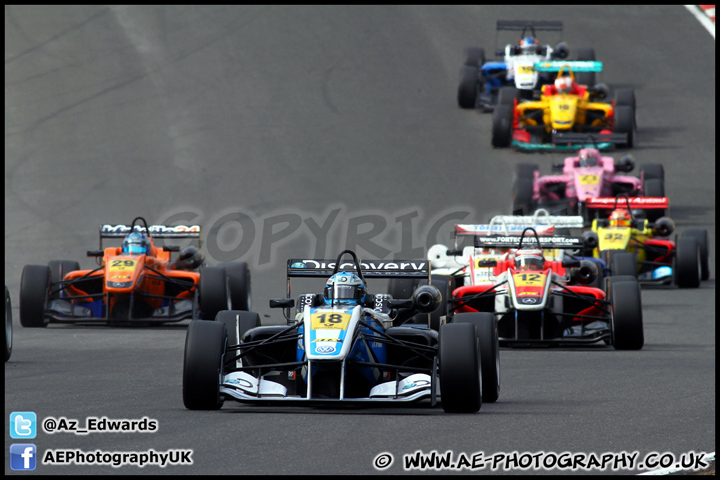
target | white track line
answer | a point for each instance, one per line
(702, 18)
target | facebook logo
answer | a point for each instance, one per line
(23, 456)
(23, 425)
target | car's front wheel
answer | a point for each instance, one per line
(205, 345)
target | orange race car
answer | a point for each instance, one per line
(135, 283)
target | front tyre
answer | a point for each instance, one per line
(626, 315)
(701, 237)
(502, 126)
(687, 263)
(460, 382)
(489, 351)
(33, 290)
(205, 345)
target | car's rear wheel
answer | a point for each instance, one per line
(585, 78)
(460, 382)
(502, 126)
(624, 263)
(445, 285)
(654, 187)
(626, 97)
(522, 195)
(33, 290)
(626, 315)
(8, 325)
(402, 288)
(474, 57)
(526, 170)
(624, 123)
(205, 345)
(468, 88)
(214, 294)
(489, 351)
(239, 284)
(58, 270)
(701, 236)
(688, 271)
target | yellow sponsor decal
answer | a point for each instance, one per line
(529, 280)
(328, 320)
(122, 265)
(589, 179)
(525, 69)
(327, 340)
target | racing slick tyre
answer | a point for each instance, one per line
(508, 95)
(626, 315)
(502, 126)
(624, 263)
(626, 97)
(58, 270)
(238, 276)
(468, 88)
(585, 78)
(205, 345)
(460, 375)
(624, 123)
(214, 294)
(33, 289)
(652, 170)
(236, 322)
(654, 187)
(8, 325)
(688, 271)
(474, 57)
(701, 236)
(402, 288)
(489, 351)
(522, 194)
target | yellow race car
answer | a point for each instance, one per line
(567, 115)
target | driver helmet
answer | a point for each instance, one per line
(588, 157)
(529, 259)
(528, 45)
(563, 84)
(620, 217)
(136, 244)
(345, 287)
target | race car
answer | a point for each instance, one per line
(8, 325)
(481, 82)
(585, 175)
(345, 346)
(565, 114)
(137, 283)
(629, 245)
(536, 304)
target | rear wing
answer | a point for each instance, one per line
(155, 231)
(641, 203)
(370, 269)
(510, 241)
(575, 66)
(503, 229)
(538, 25)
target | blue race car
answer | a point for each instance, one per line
(345, 346)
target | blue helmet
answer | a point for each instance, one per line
(136, 244)
(529, 45)
(345, 287)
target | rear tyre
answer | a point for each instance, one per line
(701, 237)
(502, 126)
(58, 270)
(624, 263)
(8, 325)
(626, 315)
(205, 345)
(468, 88)
(239, 284)
(213, 292)
(489, 351)
(474, 57)
(654, 187)
(402, 288)
(626, 97)
(460, 383)
(445, 285)
(624, 123)
(585, 78)
(687, 263)
(33, 290)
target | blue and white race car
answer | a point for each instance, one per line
(345, 346)
(481, 81)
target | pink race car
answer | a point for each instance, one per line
(585, 176)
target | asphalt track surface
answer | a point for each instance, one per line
(285, 113)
